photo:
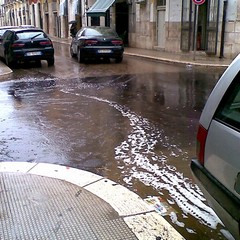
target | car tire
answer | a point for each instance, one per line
(38, 63)
(119, 59)
(50, 62)
(71, 52)
(79, 56)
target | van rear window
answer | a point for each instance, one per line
(228, 111)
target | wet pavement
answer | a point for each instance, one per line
(119, 155)
(45, 201)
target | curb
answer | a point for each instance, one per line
(143, 220)
(180, 62)
(5, 71)
(160, 59)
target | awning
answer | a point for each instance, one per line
(99, 8)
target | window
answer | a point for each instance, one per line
(29, 35)
(161, 3)
(99, 32)
(228, 111)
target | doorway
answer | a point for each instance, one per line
(206, 27)
(161, 13)
(201, 27)
(122, 21)
(161, 27)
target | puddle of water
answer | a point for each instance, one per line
(136, 154)
(144, 156)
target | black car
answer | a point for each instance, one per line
(25, 45)
(96, 43)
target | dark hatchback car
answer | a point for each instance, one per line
(97, 43)
(25, 45)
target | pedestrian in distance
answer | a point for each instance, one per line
(73, 29)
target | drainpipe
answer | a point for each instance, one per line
(223, 28)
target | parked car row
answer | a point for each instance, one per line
(26, 43)
(217, 166)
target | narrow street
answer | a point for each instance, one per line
(134, 123)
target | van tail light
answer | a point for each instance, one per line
(91, 42)
(18, 45)
(117, 42)
(201, 140)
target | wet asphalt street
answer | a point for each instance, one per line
(134, 123)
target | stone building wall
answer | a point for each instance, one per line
(143, 34)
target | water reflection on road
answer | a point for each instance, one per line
(137, 155)
(137, 160)
(136, 129)
(148, 154)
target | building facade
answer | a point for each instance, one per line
(212, 28)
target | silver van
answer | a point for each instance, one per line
(216, 168)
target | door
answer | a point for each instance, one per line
(55, 24)
(122, 21)
(212, 26)
(207, 26)
(201, 28)
(186, 25)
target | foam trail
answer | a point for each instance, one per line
(140, 162)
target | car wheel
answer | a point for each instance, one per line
(119, 59)
(79, 56)
(38, 63)
(71, 52)
(106, 60)
(50, 62)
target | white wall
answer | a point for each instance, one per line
(174, 9)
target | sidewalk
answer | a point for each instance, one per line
(5, 71)
(47, 201)
(200, 59)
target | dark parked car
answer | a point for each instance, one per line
(26, 44)
(96, 43)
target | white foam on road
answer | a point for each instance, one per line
(137, 154)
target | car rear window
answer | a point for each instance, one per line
(228, 111)
(99, 32)
(29, 35)
(2, 31)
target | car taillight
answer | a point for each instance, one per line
(201, 140)
(91, 42)
(18, 45)
(117, 42)
(45, 43)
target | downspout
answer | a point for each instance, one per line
(225, 2)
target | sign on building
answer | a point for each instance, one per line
(199, 2)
